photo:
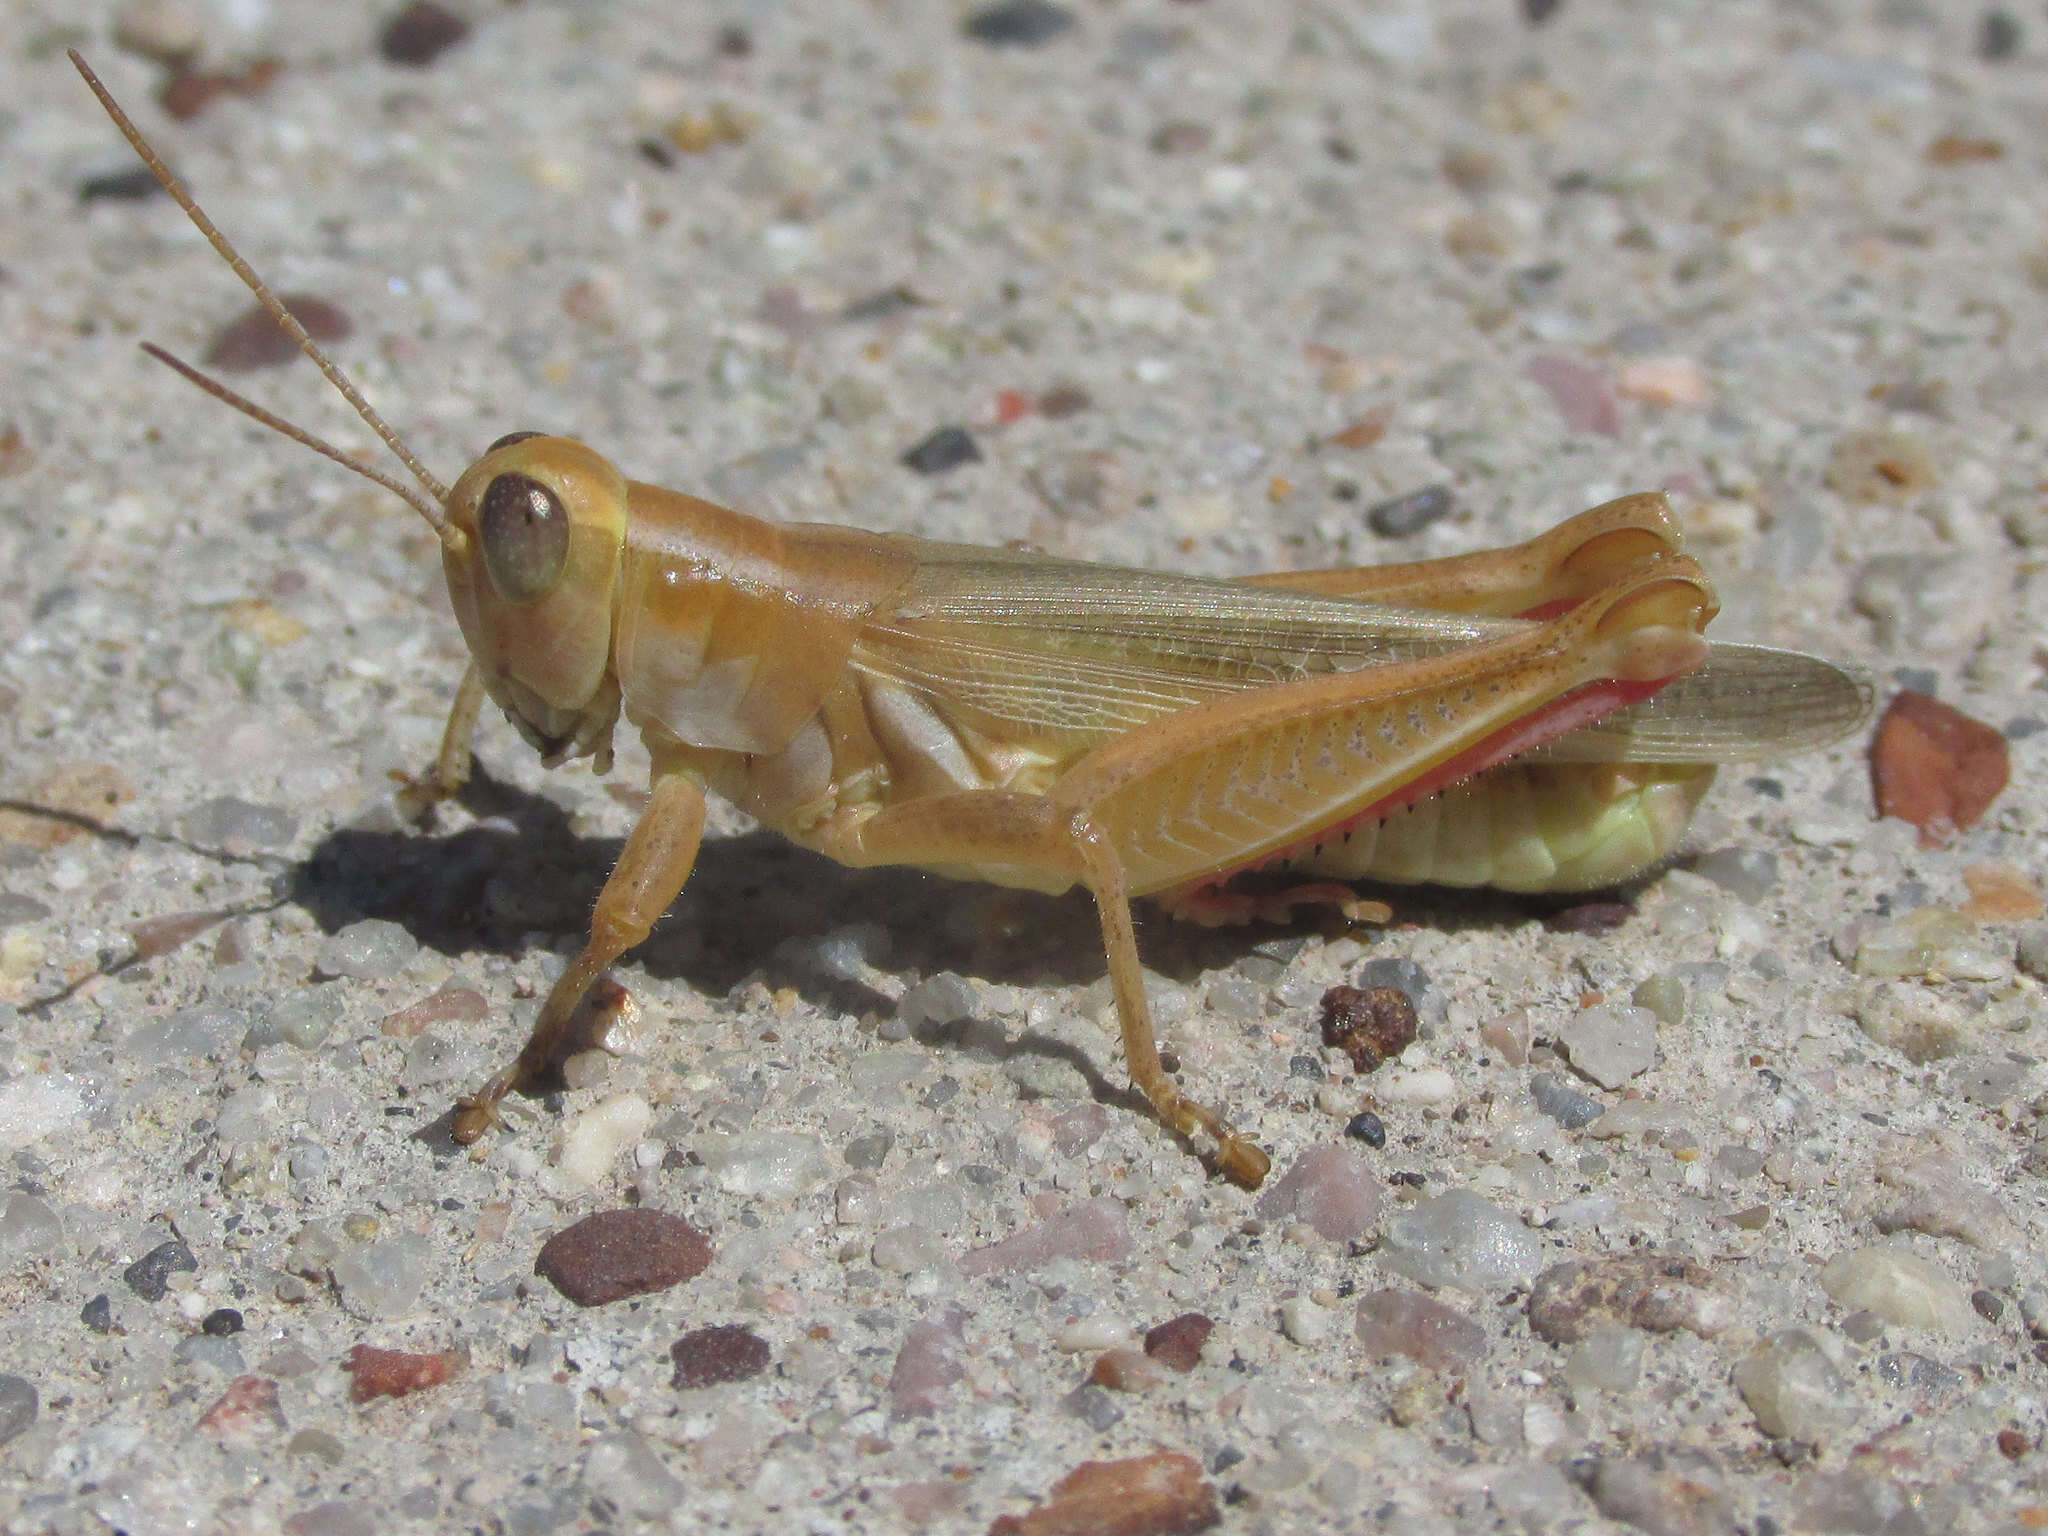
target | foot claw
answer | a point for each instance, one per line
(1242, 1163)
(473, 1117)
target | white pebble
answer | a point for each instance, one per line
(1085, 1335)
(593, 1139)
(1418, 1085)
(1303, 1321)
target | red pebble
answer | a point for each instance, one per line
(614, 1254)
(395, 1373)
(1178, 1341)
(1934, 766)
(1163, 1494)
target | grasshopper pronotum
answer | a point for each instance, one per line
(1543, 717)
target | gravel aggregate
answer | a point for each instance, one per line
(1715, 1205)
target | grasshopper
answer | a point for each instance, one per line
(1539, 718)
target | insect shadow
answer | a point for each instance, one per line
(757, 906)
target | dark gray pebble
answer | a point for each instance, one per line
(1412, 513)
(1018, 23)
(150, 1276)
(947, 448)
(18, 1405)
(1568, 1107)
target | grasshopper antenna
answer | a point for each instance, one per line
(430, 509)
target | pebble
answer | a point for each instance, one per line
(1610, 1045)
(1432, 1004)
(1018, 23)
(1088, 1229)
(1157, 1495)
(18, 1406)
(1330, 1187)
(1918, 1022)
(633, 1251)
(624, 1472)
(880, 1072)
(1934, 941)
(150, 1276)
(248, 1114)
(419, 34)
(1512, 1034)
(371, 950)
(2033, 950)
(1093, 1406)
(1127, 1370)
(1567, 1106)
(238, 826)
(1581, 394)
(1998, 35)
(190, 1034)
(29, 1229)
(1936, 1197)
(1663, 995)
(1177, 1342)
(1671, 382)
(399, 1373)
(248, 1407)
(1748, 873)
(223, 1356)
(714, 1356)
(1658, 1293)
(928, 1365)
(947, 448)
(1304, 1322)
(766, 1165)
(940, 999)
(1862, 1503)
(1370, 1025)
(907, 1249)
(1400, 516)
(1900, 1287)
(1085, 1335)
(335, 1517)
(1368, 1128)
(253, 340)
(1417, 1085)
(595, 1138)
(1794, 1390)
(1461, 1239)
(1418, 1328)
(384, 1278)
(1666, 1493)
(305, 1020)
(162, 31)
(453, 1003)
(1935, 767)
(1609, 1359)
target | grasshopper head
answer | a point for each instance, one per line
(537, 524)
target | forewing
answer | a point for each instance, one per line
(1034, 644)
(1028, 644)
(1748, 703)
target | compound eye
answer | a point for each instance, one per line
(510, 438)
(525, 532)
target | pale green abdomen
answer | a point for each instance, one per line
(1524, 826)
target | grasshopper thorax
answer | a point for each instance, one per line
(532, 570)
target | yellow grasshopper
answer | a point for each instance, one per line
(1541, 718)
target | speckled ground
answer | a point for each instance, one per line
(1207, 283)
